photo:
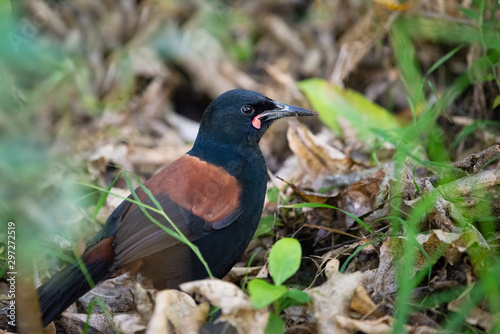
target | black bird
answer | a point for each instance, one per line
(214, 194)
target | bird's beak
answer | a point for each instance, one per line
(285, 110)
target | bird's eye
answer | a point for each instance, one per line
(247, 110)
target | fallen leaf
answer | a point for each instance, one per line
(315, 157)
(176, 312)
(106, 154)
(143, 299)
(333, 297)
(332, 102)
(115, 294)
(363, 304)
(308, 196)
(235, 305)
(237, 273)
(49, 329)
(453, 245)
(129, 323)
(475, 316)
(378, 326)
(385, 279)
(72, 321)
(359, 198)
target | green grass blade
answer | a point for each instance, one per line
(178, 233)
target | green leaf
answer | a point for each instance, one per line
(272, 194)
(298, 295)
(294, 297)
(469, 13)
(5, 7)
(333, 102)
(496, 102)
(263, 293)
(284, 259)
(265, 226)
(443, 59)
(344, 266)
(275, 324)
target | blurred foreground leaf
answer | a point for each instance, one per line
(333, 102)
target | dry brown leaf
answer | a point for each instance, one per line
(378, 326)
(49, 329)
(117, 154)
(143, 302)
(129, 323)
(315, 157)
(476, 316)
(177, 312)
(333, 297)
(308, 196)
(153, 156)
(475, 162)
(236, 273)
(363, 304)
(299, 313)
(235, 305)
(358, 40)
(72, 321)
(385, 281)
(359, 197)
(452, 244)
(263, 272)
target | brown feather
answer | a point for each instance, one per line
(206, 190)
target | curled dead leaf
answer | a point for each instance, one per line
(236, 273)
(476, 316)
(452, 245)
(176, 312)
(308, 196)
(363, 304)
(385, 279)
(378, 326)
(129, 323)
(333, 297)
(143, 302)
(315, 157)
(235, 305)
(360, 197)
(106, 154)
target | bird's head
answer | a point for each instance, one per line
(241, 116)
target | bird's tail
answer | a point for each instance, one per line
(66, 286)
